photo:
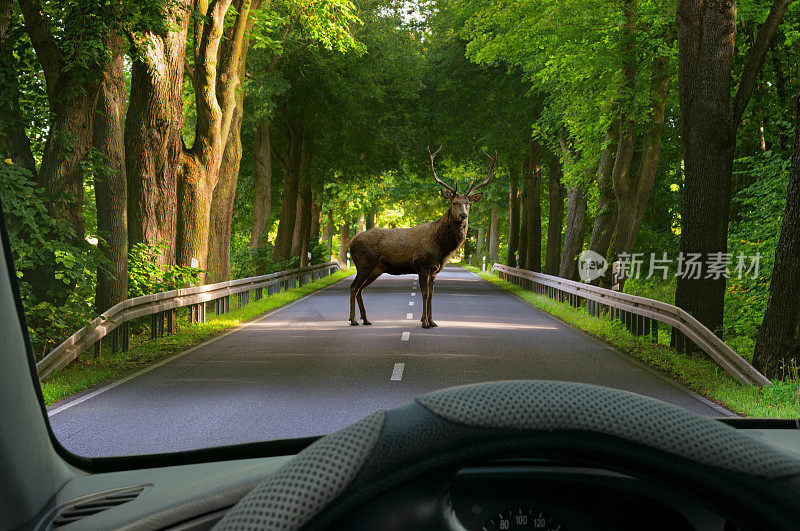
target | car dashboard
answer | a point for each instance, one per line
(557, 497)
(504, 494)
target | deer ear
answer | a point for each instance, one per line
(475, 197)
(447, 194)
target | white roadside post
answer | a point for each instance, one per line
(484, 264)
(348, 260)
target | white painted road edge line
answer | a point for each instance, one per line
(397, 372)
(409, 316)
(405, 336)
(84, 398)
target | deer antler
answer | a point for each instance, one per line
(488, 178)
(438, 180)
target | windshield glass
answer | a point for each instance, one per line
(240, 221)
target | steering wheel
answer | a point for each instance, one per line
(392, 468)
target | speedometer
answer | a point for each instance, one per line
(522, 518)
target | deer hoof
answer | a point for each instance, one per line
(433, 325)
(353, 323)
(425, 325)
(366, 323)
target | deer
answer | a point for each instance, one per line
(422, 250)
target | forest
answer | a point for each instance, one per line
(153, 145)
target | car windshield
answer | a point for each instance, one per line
(239, 221)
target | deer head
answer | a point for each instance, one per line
(459, 203)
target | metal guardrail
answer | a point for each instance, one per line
(115, 322)
(640, 315)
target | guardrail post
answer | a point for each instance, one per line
(126, 333)
(654, 329)
(115, 341)
(97, 346)
(170, 321)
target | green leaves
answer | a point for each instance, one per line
(146, 273)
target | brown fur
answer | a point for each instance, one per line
(423, 250)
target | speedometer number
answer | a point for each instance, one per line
(522, 518)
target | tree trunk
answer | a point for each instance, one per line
(72, 93)
(153, 135)
(780, 89)
(262, 190)
(778, 338)
(481, 243)
(215, 80)
(494, 234)
(329, 231)
(219, 238)
(632, 195)
(709, 122)
(574, 233)
(344, 239)
(533, 221)
(288, 215)
(513, 222)
(316, 221)
(14, 141)
(362, 222)
(302, 225)
(606, 217)
(219, 243)
(371, 217)
(523, 224)
(110, 188)
(555, 217)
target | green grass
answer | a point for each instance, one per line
(87, 371)
(697, 371)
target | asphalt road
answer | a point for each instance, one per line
(303, 370)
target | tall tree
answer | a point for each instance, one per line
(154, 128)
(494, 234)
(216, 66)
(778, 338)
(606, 217)
(14, 141)
(710, 120)
(555, 217)
(533, 208)
(513, 223)
(632, 192)
(288, 214)
(71, 50)
(262, 193)
(219, 242)
(110, 185)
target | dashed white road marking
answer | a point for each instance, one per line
(411, 303)
(413, 293)
(397, 372)
(405, 336)
(409, 316)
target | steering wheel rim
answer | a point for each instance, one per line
(748, 479)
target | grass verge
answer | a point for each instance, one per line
(697, 372)
(87, 371)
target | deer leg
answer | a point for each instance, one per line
(423, 288)
(429, 301)
(353, 290)
(369, 280)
